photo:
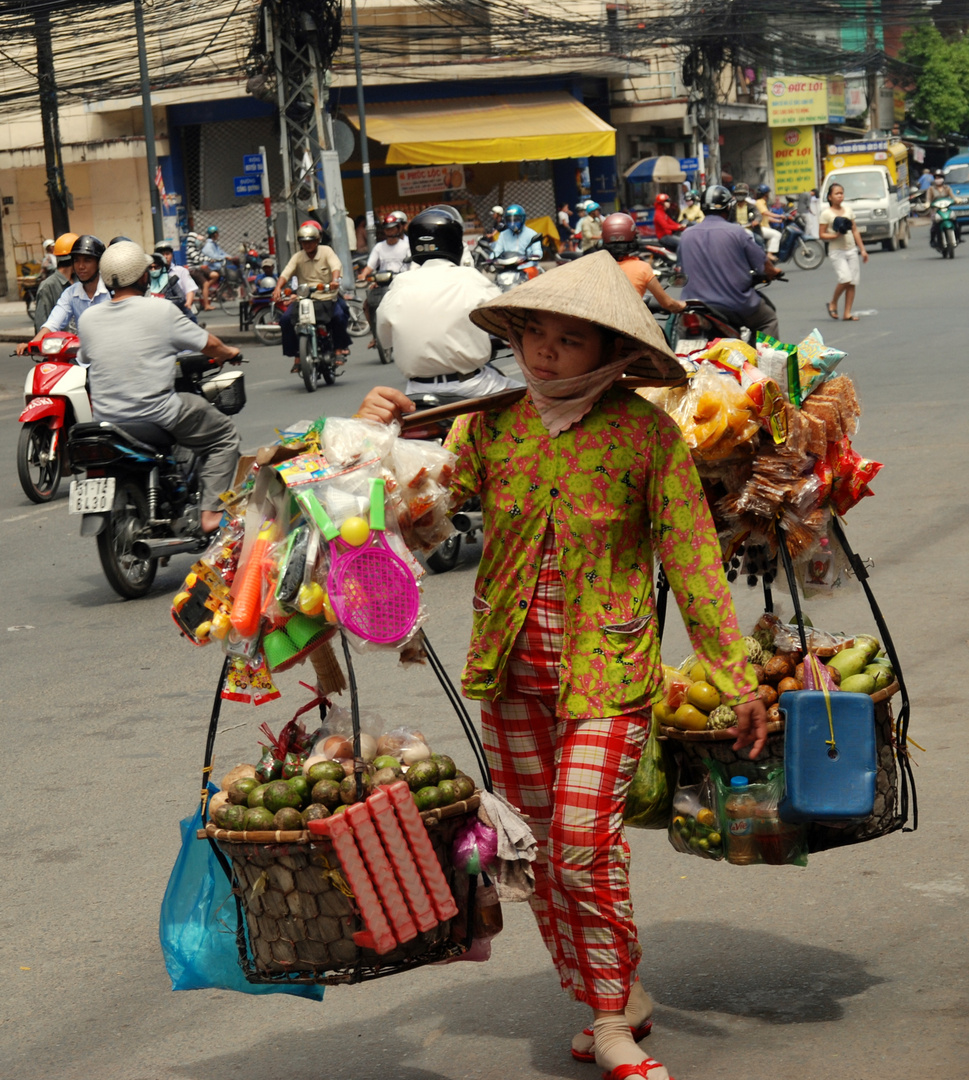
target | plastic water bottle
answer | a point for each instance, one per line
(739, 810)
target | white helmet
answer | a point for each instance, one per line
(497, 209)
(48, 244)
(123, 264)
(309, 230)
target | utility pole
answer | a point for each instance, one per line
(712, 94)
(157, 225)
(60, 198)
(362, 113)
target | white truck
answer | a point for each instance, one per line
(874, 174)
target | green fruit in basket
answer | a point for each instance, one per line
(428, 798)
(386, 776)
(278, 794)
(287, 819)
(753, 649)
(340, 809)
(301, 785)
(231, 817)
(858, 684)
(325, 770)
(348, 788)
(867, 644)
(256, 796)
(463, 786)
(423, 774)
(849, 662)
(721, 717)
(448, 792)
(240, 790)
(385, 761)
(259, 820)
(882, 674)
(314, 812)
(326, 793)
(446, 769)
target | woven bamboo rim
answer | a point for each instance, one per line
(303, 836)
(773, 727)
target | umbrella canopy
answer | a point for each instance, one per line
(658, 170)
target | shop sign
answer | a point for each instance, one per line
(796, 99)
(836, 101)
(430, 178)
(794, 159)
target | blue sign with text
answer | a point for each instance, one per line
(689, 164)
(252, 163)
(247, 185)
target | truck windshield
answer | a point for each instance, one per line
(957, 174)
(862, 186)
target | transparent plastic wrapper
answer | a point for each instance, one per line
(715, 416)
(774, 842)
(345, 442)
(816, 674)
(785, 637)
(416, 461)
(695, 827)
(650, 795)
(475, 847)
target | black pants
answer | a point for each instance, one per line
(337, 327)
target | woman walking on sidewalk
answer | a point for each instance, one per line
(582, 482)
(837, 226)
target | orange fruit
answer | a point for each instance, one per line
(689, 718)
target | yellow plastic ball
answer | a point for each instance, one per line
(328, 612)
(354, 531)
(310, 598)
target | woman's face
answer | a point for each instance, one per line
(836, 195)
(560, 347)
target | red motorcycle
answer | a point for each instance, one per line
(55, 399)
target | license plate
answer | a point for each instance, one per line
(91, 496)
(862, 228)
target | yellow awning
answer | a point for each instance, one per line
(466, 131)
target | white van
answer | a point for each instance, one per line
(878, 192)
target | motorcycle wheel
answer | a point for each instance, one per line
(307, 364)
(445, 556)
(228, 298)
(809, 254)
(327, 367)
(381, 351)
(39, 471)
(358, 324)
(950, 243)
(266, 328)
(128, 576)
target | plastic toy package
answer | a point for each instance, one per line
(320, 535)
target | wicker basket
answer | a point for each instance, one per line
(300, 918)
(696, 747)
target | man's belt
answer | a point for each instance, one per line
(447, 378)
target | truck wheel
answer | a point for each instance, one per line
(903, 236)
(891, 244)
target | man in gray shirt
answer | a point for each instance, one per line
(130, 345)
(51, 287)
(717, 257)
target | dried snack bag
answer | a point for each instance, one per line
(815, 361)
(852, 476)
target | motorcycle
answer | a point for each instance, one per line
(946, 234)
(55, 398)
(140, 493)
(512, 270)
(808, 254)
(693, 329)
(317, 358)
(382, 280)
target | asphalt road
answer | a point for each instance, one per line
(852, 968)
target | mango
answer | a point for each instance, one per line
(882, 675)
(689, 718)
(867, 644)
(849, 662)
(858, 684)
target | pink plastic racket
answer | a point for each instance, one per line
(372, 592)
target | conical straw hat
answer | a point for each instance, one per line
(592, 288)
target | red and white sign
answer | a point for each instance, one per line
(430, 178)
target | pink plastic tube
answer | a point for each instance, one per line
(381, 872)
(408, 876)
(420, 845)
(358, 879)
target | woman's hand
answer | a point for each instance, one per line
(751, 726)
(384, 405)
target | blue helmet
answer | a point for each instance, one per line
(212, 230)
(515, 216)
(591, 205)
(763, 189)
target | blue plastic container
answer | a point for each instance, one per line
(821, 784)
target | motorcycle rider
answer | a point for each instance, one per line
(663, 225)
(939, 189)
(517, 238)
(186, 282)
(314, 264)
(424, 317)
(620, 239)
(88, 289)
(392, 253)
(50, 289)
(497, 221)
(130, 347)
(48, 264)
(768, 219)
(214, 258)
(718, 256)
(691, 212)
(589, 227)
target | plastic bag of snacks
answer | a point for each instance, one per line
(715, 415)
(695, 826)
(650, 794)
(748, 797)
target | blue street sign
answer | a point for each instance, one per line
(247, 185)
(252, 163)
(689, 164)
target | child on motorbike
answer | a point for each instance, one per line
(582, 482)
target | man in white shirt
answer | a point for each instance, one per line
(424, 316)
(186, 282)
(392, 253)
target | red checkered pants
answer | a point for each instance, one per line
(570, 777)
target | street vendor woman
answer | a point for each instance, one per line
(583, 484)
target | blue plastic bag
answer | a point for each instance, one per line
(198, 924)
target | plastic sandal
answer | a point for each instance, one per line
(620, 1072)
(832, 311)
(638, 1034)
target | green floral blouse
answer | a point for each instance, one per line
(618, 488)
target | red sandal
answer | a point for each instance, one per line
(620, 1072)
(638, 1034)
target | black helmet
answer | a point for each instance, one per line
(88, 245)
(436, 234)
(717, 198)
(120, 240)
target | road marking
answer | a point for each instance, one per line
(32, 513)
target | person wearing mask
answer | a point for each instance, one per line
(768, 219)
(590, 227)
(518, 238)
(88, 289)
(130, 346)
(314, 264)
(718, 256)
(746, 213)
(214, 258)
(845, 248)
(186, 283)
(691, 212)
(424, 316)
(939, 189)
(664, 226)
(50, 289)
(620, 239)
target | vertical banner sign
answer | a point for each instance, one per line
(794, 159)
(836, 100)
(796, 99)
